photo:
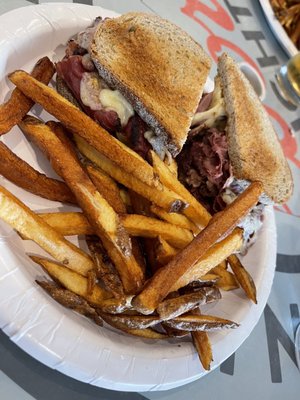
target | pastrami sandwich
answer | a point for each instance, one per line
(141, 77)
(232, 143)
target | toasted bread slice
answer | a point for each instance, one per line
(254, 149)
(159, 69)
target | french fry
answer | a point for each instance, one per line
(159, 195)
(70, 300)
(195, 212)
(107, 187)
(76, 121)
(140, 225)
(200, 323)
(72, 281)
(12, 112)
(22, 174)
(171, 308)
(100, 214)
(174, 218)
(73, 223)
(173, 332)
(104, 268)
(164, 251)
(202, 345)
(69, 223)
(123, 321)
(110, 191)
(243, 277)
(220, 226)
(226, 279)
(172, 165)
(117, 305)
(147, 333)
(30, 225)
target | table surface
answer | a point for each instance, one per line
(265, 365)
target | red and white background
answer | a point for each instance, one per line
(265, 365)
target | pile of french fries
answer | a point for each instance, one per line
(155, 253)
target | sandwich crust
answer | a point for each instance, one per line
(159, 69)
(254, 149)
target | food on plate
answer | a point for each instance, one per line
(18, 105)
(126, 150)
(165, 97)
(288, 14)
(171, 308)
(136, 225)
(31, 226)
(160, 285)
(73, 281)
(99, 212)
(23, 175)
(231, 143)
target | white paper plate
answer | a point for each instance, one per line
(277, 29)
(58, 337)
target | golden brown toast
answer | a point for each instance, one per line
(254, 149)
(159, 69)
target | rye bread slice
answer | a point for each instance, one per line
(254, 149)
(159, 69)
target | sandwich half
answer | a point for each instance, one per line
(138, 75)
(231, 143)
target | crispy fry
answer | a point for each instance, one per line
(100, 214)
(107, 187)
(68, 223)
(160, 195)
(213, 257)
(226, 279)
(174, 218)
(173, 332)
(22, 174)
(203, 346)
(78, 122)
(164, 251)
(243, 277)
(12, 112)
(72, 281)
(123, 321)
(117, 305)
(70, 300)
(200, 323)
(172, 165)
(110, 191)
(30, 225)
(73, 223)
(147, 333)
(171, 308)
(195, 212)
(140, 225)
(221, 225)
(105, 270)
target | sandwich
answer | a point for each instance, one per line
(232, 143)
(138, 75)
(142, 79)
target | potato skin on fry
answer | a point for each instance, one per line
(70, 300)
(72, 281)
